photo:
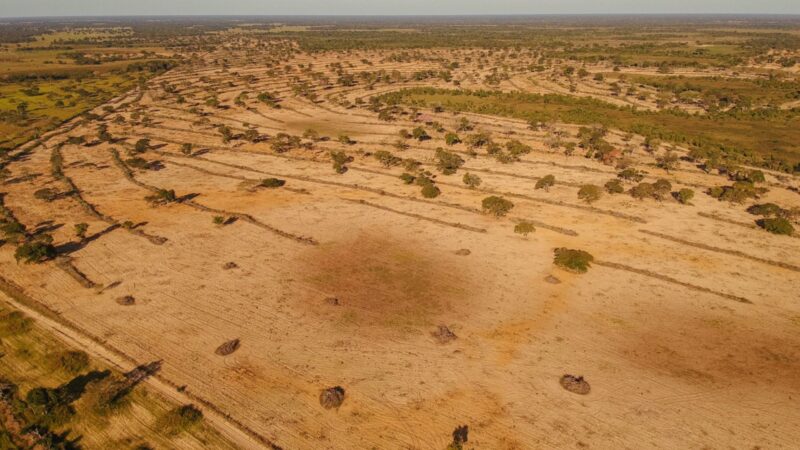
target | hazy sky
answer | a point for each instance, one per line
(17, 8)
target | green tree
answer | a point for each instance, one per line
(497, 206)
(589, 193)
(546, 182)
(471, 180)
(80, 230)
(577, 261)
(524, 228)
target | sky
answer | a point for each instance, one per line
(29, 8)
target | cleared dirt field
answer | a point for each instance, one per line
(687, 325)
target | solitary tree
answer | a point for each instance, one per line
(471, 180)
(497, 206)
(546, 182)
(589, 193)
(524, 228)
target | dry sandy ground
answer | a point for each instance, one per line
(683, 346)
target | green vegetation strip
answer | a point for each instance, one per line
(764, 137)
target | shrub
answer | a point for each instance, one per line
(407, 178)
(524, 228)
(478, 140)
(186, 148)
(311, 134)
(386, 158)
(614, 186)
(661, 188)
(141, 145)
(107, 395)
(451, 139)
(12, 230)
(546, 182)
(589, 193)
(218, 220)
(46, 194)
(497, 206)
(80, 229)
(447, 162)
(516, 148)
(14, 323)
(226, 133)
(251, 135)
(668, 161)
(642, 191)
(340, 159)
(684, 196)
(48, 407)
(577, 261)
(776, 225)
(766, 210)
(73, 361)
(738, 192)
(35, 252)
(471, 180)
(272, 183)
(631, 174)
(283, 142)
(179, 419)
(420, 134)
(345, 139)
(162, 196)
(430, 190)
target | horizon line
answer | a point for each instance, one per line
(587, 14)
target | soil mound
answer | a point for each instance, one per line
(228, 347)
(552, 280)
(443, 335)
(126, 300)
(332, 397)
(576, 385)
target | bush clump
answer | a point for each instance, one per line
(589, 193)
(471, 180)
(577, 261)
(13, 323)
(776, 225)
(738, 192)
(72, 361)
(684, 196)
(661, 189)
(46, 194)
(631, 174)
(766, 210)
(614, 186)
(179, 419)
(430, 190)
(447, 162)
(162, 197)
(35, 251)
(407, 178)
(642, 191)
(340, 160)
(524, 228)
(451, 139)
(386, 158)
(497, 206)
(272, 183)
(546, 182)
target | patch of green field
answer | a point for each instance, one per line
(766, 137)
(739, 91)
(34, 358)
